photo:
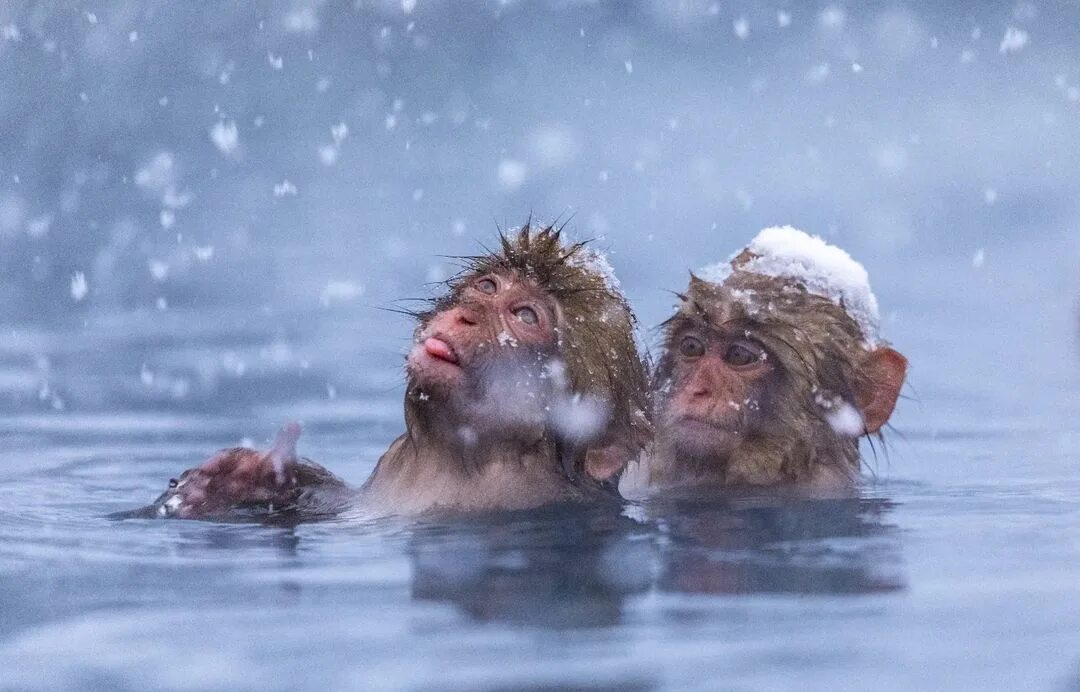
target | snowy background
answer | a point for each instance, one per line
(276, 172)
(206, 207)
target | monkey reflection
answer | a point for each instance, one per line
(560, 567)
(779, 545)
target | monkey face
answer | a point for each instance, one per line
(715, 387)
(485, 357)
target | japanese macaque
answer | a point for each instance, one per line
(525, 387)
(770, 372)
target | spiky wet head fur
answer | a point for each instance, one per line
(594, 326)
(817, 346)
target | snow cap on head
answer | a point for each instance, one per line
(822, 269)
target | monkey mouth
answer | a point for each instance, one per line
(439, 349)
(690, 420)
(705, 438)
(434, 360)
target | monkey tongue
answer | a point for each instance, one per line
(437, 348)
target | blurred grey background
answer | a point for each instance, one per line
(245, 184)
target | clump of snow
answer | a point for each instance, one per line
(553, 146)
(38, 227)
(175, 200)
(841, 415)
(225, 137)
(845, 419)
(596, 262)
(285, 188)
(301, 20)
(158, 174)
(832, 17)
(328, 154)
(79, 289)
(511, 173)
(823, 269)
(818, 73)
(578, 418)
(741, 27)
(715, 273)
(158, 269)
(555, 370)
(1013, 41)
(339, 292)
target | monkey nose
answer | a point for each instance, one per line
(698, 387)
(467, 317)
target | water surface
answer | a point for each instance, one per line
(956, 566)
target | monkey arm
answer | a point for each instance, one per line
(321, 493)
(242, 483)
(316, 493)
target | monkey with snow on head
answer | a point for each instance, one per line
(525, 387)
(771, 371)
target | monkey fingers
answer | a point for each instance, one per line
(237, 477)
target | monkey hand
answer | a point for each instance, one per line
(237, 478)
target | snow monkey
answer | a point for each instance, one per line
(525, 387)
(770, 371)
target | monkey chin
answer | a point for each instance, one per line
(704, 439)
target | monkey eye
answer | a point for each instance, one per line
(740, 354)
(527, 315)
(487, 286)
(691, 347)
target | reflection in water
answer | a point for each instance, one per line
(557, 567)
(778, 545)
(574, 567)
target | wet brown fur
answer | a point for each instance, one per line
(595, 340)
(818, 346)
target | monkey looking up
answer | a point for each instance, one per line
(770, 371)
(525, 387)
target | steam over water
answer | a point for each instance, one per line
(202, 210)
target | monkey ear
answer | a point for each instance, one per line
(880, 377)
